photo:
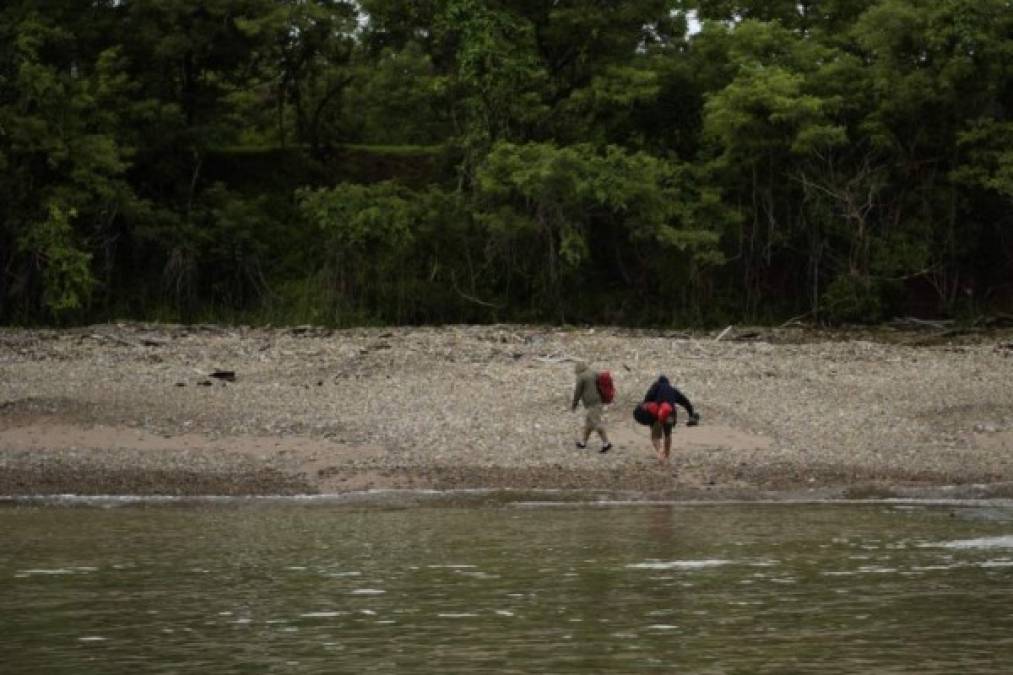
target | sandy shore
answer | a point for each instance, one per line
(132, 409)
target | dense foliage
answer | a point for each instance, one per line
(644, 161)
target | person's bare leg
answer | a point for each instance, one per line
(668, 447)
(656, 442)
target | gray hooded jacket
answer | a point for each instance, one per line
(586, 389)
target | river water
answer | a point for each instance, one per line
(492, 585)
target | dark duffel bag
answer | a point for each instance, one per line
(643, 416)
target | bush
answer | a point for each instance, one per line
(854, 299)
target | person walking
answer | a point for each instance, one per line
(660, 400)
(586, 391)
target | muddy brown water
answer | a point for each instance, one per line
(491, 584)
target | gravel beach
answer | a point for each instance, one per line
(787, 413)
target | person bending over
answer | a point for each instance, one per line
(665, 397)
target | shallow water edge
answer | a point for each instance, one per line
(953, 496)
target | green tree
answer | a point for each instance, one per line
(938, 71)
(762, 125)
(63, 181)
(575, 204)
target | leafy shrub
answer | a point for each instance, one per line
(853, 299)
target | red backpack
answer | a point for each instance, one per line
(606, 388)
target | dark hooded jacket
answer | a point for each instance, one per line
(662, 391)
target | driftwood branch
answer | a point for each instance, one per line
(560, 358)
(794, 320)
(472, 298)
(913, 322)
(112, 338)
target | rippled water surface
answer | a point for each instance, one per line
(254, 586)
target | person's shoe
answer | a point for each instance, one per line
(581, 445)
(605, 448)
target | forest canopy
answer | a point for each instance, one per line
(637, 162)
